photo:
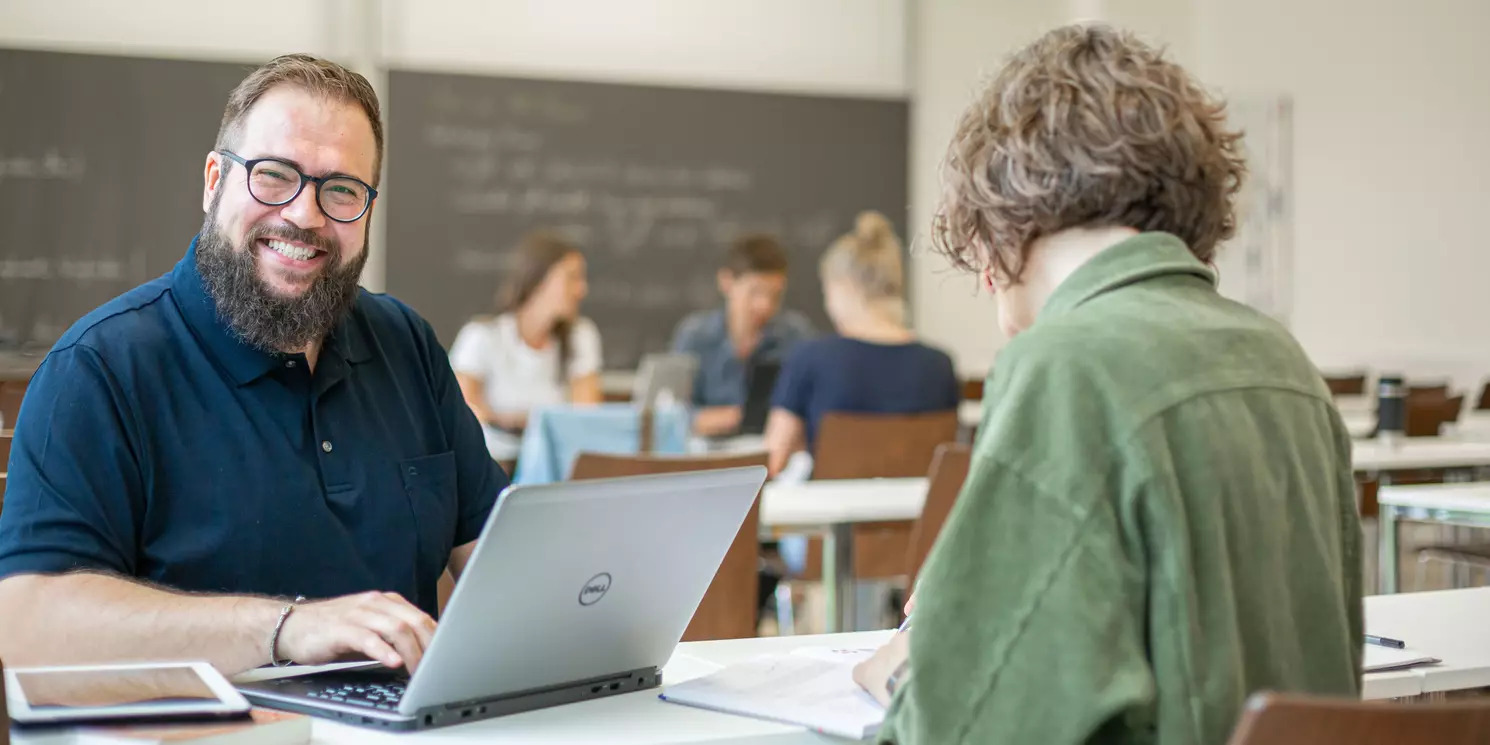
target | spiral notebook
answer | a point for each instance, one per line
(812, 687)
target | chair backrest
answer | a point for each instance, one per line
(11, 393)
(972, 389)
(1274, 719)
(728, 610)
(4, 460)
(1349, 385)
(1428, 412)
(948, 471)
(866, 446)
(1484, 403)
(4, 711)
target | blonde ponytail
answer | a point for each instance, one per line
(869, 258)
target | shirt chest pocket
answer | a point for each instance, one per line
(430, 483)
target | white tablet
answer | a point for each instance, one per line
(162, 690)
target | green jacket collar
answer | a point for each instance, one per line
(1143, 257)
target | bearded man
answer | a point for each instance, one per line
(198, 456)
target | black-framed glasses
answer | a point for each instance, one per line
(274, 182)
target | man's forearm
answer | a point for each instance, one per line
(93, 618)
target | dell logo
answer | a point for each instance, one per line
(595, 589)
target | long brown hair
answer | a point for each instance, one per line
(536, 255)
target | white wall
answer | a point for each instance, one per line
(823, 46)
(1392, 109)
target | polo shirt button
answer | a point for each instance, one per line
(326, 445)
(290, 363)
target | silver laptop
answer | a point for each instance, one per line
(672, 372)
(575, 591)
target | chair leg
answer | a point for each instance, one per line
(785, 625)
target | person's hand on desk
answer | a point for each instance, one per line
(714, 421)
(381, 625)
(874, 674)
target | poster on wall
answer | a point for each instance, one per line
(1256, 264)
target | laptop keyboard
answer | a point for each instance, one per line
(373, 695)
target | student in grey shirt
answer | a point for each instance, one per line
(751, 328)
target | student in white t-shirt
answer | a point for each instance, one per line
(538, 352)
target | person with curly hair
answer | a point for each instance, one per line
(1160, 516)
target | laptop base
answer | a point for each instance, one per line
(295, 694)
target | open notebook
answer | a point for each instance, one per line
(1380, 659)
(812, 687)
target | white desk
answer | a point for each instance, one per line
(1356, 404)
(832, 506)
(1360, 425)
(1457, 504)
(970, 413)
(633, 718)
(1420, 452)
(1449, 625)
(1472, 425)
(1452, 625)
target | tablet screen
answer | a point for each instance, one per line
(68, 689)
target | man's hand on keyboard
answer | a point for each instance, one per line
(381, 625)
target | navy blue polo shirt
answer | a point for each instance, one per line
(153, 443)
(720, 380)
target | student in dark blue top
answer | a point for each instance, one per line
(252, 427)
(874, 364)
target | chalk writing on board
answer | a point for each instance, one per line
(51, 165)
(77, 270)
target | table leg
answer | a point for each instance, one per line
(838, 577)
(1387, 543)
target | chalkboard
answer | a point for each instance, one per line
(100, 178)
(653, 183)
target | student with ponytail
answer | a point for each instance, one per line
(538, 352)
(874, 363)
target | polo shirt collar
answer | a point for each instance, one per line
(242, 361)
(1140, 258)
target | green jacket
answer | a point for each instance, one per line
(1160, 520)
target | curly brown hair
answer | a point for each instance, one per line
(1086, 127)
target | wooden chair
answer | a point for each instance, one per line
(1484, 403)
(1437, 390)
(866, 446)
(11, 393)
(1350, 385)
(4, 460)
(728, 610)
(1468, 555)
(4, 711)
(1427, 413)
(972, 390)
(948, 472)
(1274, 719)
(870, 446)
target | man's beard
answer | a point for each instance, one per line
(255, 313)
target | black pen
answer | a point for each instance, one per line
(1382, 641)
